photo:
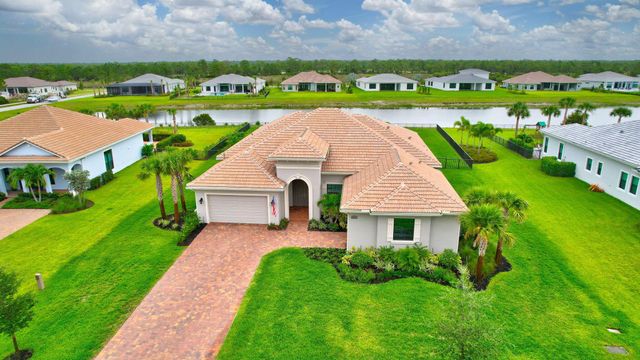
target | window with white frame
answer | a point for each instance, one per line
(403, 230)
(589, 164)
(635, 182)
(546, 144)
(599, 168)
(622, 184)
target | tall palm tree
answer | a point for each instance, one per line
(621, 112)
(520, 111)
(549, 111)
(172, 112)
(463, 125)
(146, 110)
(181, 171)
(170, 166)
(566, 103)
(154, 165)
(33, 176)
(586, 108)
(513, 208)
(482, 222)
(478, 196)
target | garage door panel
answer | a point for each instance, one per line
(238, 209)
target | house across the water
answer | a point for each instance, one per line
(467, 79)
(539, 80)
(386, 82)
(609, 80)
(147, 84)
(311, 81)
(232, 84)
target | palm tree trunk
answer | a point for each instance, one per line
(479, 267)
(564, 120)
(549, 121)
(33, 193)
(175, 128)
(498, 258)
(619, 119)
(181, 189)
(15, 343)
(163, 212)
(174, 195)
(517, 124)
(584, 118)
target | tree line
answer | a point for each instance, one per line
(500, 69)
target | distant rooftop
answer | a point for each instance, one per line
(150, 78)
(539, 77)
(311, 77)
(461, 78)
(606, 76)
(230, 79)
(386, 78)
(30, 82)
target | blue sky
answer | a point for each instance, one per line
(150, 30)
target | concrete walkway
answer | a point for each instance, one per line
(12, 220)
(190, 310)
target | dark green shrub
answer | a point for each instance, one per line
(284, 223)
(423, 251)
(171, 141)
(551, 166)
(329, 255)
(387, 254)
(361, 259)
(443, 276)
(449, 259)
(2, 196)
(482, 156)
(523, 143)
(408, 259)
(147, 150)
(3, 100)
(203, 120)
(67, 204)
(95, 183)
(191, 223)
(356, 275)
(25, 201)
(107, 176)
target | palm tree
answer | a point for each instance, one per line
(146, 110)
(170, 166)
(566, 103)
(478, 196)
(550, 110)
(155, 165)
(586, 108)
(172, 112)
(513, 207)
(621, 112)
(463, 125)
(519, 110)
(33, 176)
(482, 222)
(181, 171)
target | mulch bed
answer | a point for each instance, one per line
(504, 266)
(193, 235)
(20, 355)
(157, 222)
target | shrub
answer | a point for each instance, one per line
(2, 196)
(481, 157)
(191, 223)
(107, 176)
(387, 254)
(67, 204)
(147, 150)
(361, 259)
(284, 223)
(442, 276)
(408, 259)
(522, 143)
(423, 251)
(187, 143)
(3, 100)
(203, 120)
(95, 183)
(551, 166)
(449, 259)
(171, 141)
(329, 255)
(356, 275)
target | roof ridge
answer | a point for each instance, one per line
(378, 180)
(429, 182)
(400, 187)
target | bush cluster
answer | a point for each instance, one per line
(173, 140)
(282, 225)
(190, 224)
(25, 201)
(551, 166)
(98, 181)
(203, 120)
(3, 100)
(484, 155)
(67, 204)
(147, 150)
(317, 225)
(156, 137)
(522, 143)
(386, 263)
(2, 196)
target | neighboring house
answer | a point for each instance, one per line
(467, 79)
(232, 84)
(606, 155)
(386, 82)
(147, 84)
(608, 80)
(64, 140)
(539, 80)
(311, 81)
(391, 188)
(28, 85)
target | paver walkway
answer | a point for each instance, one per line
(12, 220)
(189, 311)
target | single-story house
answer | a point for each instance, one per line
(467, 79)
(64, 140)
(29, 85)
(539, 80)
(311, 81)
(390, 185)
(232, 84)
(608, 80)
(605, 155)
(386, 82)
(147, 84)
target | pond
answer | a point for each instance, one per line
(417, 117)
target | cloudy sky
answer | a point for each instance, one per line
(142, 30)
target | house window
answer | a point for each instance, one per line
(599, 169)
(622, 184)
(546, 144)
(208, 88)
(403, 229)
(634, 185)
(108, 160)
(372, 86)
(334, 189)
(560, 151)
(290, 87)
(589, 164)
(409, 86)
(487, 86)
(452, 85)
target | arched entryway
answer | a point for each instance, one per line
(298, 196)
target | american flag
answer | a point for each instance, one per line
(273, 206)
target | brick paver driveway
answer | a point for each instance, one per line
(12, 220)
(189, 311)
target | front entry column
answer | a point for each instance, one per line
(151, 136)
(3, 186)
(47, 183)
(24, 186)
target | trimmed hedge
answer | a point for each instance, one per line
(551, 166)
(98, 181)
(171, 141)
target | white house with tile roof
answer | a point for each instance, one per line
(147, 84)
(389, 180)
(386, 82)
(467, 79)
(232, 84)
(29, 85)
(64, 140)
(311, 81)
(609, 80)
(605, 155)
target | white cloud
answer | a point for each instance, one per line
(315, 23)
(613, 13)
(298, 6)
(493, 21)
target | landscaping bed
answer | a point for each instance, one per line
(480, 156)
(58, 203)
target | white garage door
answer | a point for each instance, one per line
(238, 209)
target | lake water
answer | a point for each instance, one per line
(417, 117)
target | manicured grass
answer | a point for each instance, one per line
(98, 264)
(436, 143)
(574, 274)
(200, 136)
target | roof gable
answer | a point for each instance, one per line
(311, 77)
(307, 145)
(538, 77)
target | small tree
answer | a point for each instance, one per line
(550, 111)
(154, 165)
(586, 108)
(464, 330)
(203, 120)
(520, 111)
(566, 103)
(33, 176)
(463, 125)
(79, 183)
(16, 311)
(621, 112)
(172, 112)
(481, 223)
(116, 112)
(330, 206)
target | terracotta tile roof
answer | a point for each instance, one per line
(311, 77)
(306, 146)
(65, 134)
(378, 156)
(27, 82)
(538, 77)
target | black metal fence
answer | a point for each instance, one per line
(463, 154)
(509, 144)
(222, 144)
(453, 163)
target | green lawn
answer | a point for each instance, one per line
(436, 143)
(98, 264)
(575, 273)
(200, 136)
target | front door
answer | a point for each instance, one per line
(299, 193)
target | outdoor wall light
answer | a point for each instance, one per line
(201, 201)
